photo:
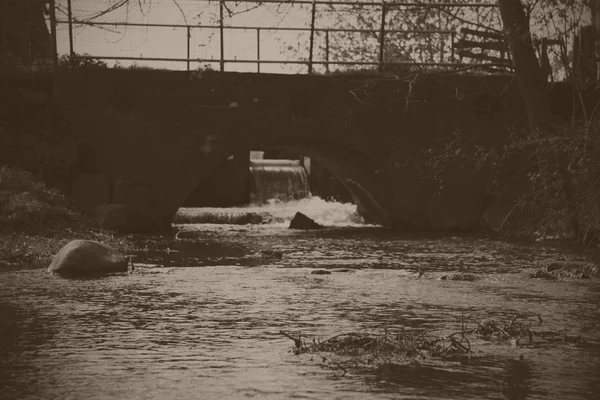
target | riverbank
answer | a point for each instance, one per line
(36, 221)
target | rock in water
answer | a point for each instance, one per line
(87, 257)
(301, 221)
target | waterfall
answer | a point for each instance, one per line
(282, 180)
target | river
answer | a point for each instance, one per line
(207, 324)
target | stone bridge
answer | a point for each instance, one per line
(150, 137)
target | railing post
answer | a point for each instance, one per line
(222, 60)
(258, 49)
(382, 36)
(452, 46)
(440, 35)
(312, 36)
(189, 34)
(70, 17)
(53, 36)
(327, 50)
(502, 54)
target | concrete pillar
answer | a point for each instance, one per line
(305, 161)
(240, 185)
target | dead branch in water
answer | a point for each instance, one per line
(513, 330)
(398, 345)
(415, 345)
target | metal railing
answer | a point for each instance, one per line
(380, 33)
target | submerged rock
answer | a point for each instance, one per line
(270, 254)
(320, 272)
(148, 269)
(301, 221)
(567, 269)
(541, 274)
(458, 277)
(87, 257)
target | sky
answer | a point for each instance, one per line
(171, 42)
(168, 42)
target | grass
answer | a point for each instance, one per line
(36, 221)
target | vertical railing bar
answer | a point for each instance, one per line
(440, 35)
(452, 47)
(258, 49)
(222, 62)
(327, 51)
(382, 35)
(502, 54)
(71, 47)
(53, 36)
(189, 34)
(312, 36)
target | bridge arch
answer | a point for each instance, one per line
(352, 168)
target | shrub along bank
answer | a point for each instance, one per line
(36, 221)
(556, 172)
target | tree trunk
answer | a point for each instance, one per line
(529, 74)
(534, 91)
(24, 36)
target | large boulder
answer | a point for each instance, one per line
(301, 221)
(87, 257)
(122, 218)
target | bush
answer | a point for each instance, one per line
(561, 166)
(77, 61)
(564, 198)
(26, 202)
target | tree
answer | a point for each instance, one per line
(24, 37)
(555, 20)
(528, 71)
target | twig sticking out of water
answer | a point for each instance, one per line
(297, 342)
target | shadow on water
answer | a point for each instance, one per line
(484, 377)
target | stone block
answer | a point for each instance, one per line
(90, 190)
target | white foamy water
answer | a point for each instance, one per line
(327, 213)
(322, 211)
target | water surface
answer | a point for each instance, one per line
(207, 325)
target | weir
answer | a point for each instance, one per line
(243, 186)
(281, 180)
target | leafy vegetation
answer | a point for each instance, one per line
(560, 166)
(26, 203)
(36, 221)
(80, 61)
